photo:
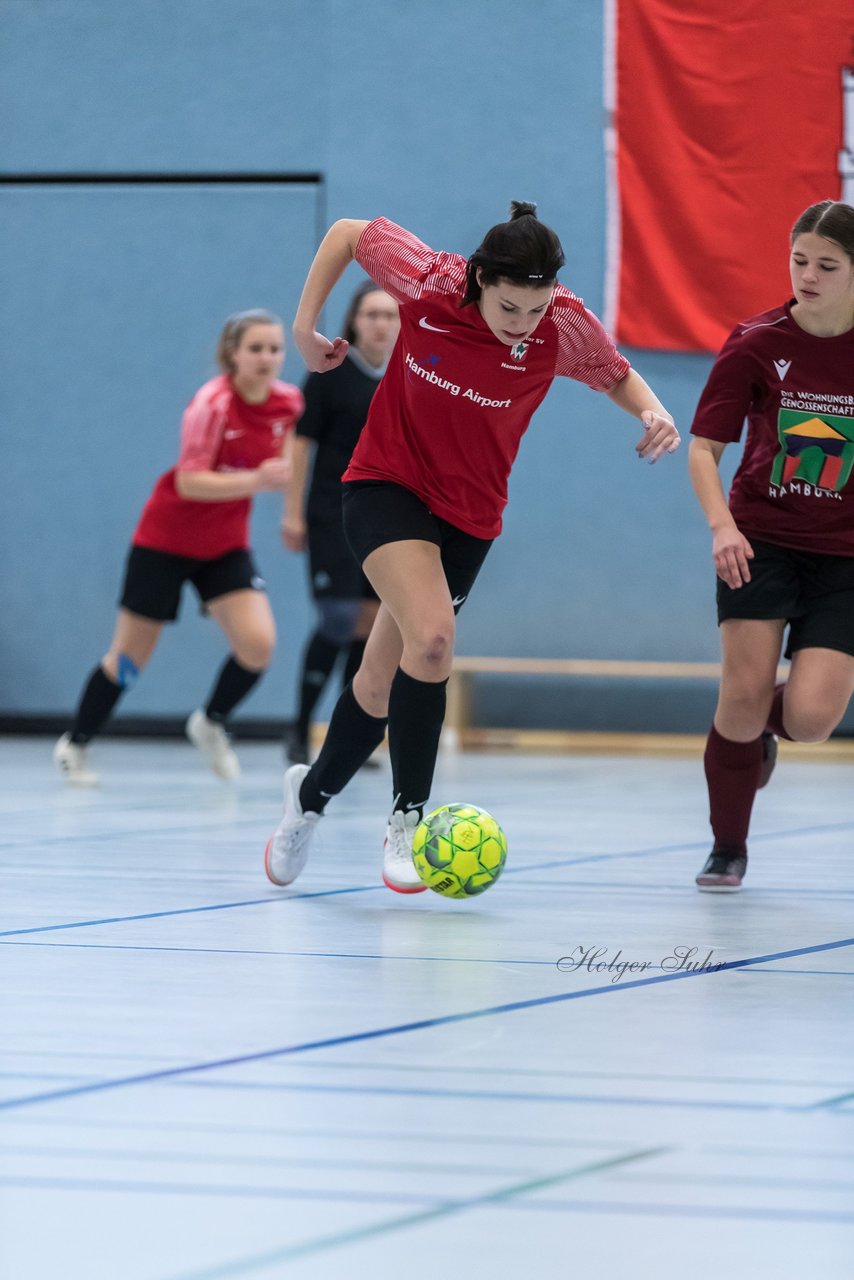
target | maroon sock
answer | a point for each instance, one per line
(775, 719)
(732, 772)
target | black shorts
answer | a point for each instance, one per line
(813, 592)
(377, 512)
(153, 580)
(334, 571)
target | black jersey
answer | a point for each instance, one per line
(336, 406)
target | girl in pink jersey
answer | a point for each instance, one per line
(480, 343)
(195, 527)
(783, 546)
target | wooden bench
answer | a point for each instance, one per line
(459, 731)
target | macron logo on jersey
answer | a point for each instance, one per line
(782, 367)
(423, 323)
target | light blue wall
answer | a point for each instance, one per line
(433, 114)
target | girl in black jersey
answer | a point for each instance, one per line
(783, 546)
(336, 406)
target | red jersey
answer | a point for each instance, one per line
(796, 391)
(448, 416)
(220, 431)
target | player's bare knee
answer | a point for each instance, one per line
(432, 650)
(121, 668)
(810, 724)
(255, 652)
(745, 707)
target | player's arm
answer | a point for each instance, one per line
(293, 512)
(637, 398)
(226, 486)
(337, 250)
(731, 551)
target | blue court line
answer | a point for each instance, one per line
(565, 862)
(833, 1102)
(363, 955)
(501, 1195)
(678, 848)
(498, 1095)
(271, 1192)
(167, 1073)
(424, 1168)
(642, 1209)
(189, 911)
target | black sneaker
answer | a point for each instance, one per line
(724, 871)
(769, 758)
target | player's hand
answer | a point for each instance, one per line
(294, 533)
(318, 352)
(273, 473)
(732, 554)
(659, 436)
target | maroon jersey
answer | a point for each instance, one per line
(796, 391)
(220, 432)
(448, 416)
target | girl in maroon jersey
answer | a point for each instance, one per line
(783, 547)
(195, 528)
(480, 343)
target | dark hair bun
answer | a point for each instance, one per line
(521, 208)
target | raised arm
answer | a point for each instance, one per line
(337, 250)
(637, 398)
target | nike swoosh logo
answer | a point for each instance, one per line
(458, 600)
(424, 325)
(232, 435)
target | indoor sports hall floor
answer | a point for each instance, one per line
(204, 1077)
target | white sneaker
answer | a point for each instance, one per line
(398, 868)
(72, 760)
(287, 848)
(213, 742)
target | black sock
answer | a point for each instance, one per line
(318, 661)
(354, 659)
(353, 735)
(416, 710)
(232, 686)
(96, 702)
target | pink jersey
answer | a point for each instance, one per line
(448, 416)
(796, 391)
(220, 432)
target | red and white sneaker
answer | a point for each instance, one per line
(287, 849)
(398, 868)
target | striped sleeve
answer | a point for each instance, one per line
(585, 351)
(202, 429)
(405, 267)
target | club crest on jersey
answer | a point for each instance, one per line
(518, 352)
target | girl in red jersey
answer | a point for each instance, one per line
(195, 527)
(783, 547)
(480, 343)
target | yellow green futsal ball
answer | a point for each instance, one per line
(459, 850)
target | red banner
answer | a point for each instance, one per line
(727, 122)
